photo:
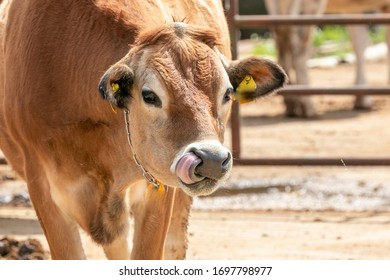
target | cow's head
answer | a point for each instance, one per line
(178, 90)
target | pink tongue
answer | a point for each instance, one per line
(183, 168)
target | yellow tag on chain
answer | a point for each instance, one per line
(160, 188)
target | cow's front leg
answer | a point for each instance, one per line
(177, 238)
(152, 223)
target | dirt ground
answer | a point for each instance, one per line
(354, 223)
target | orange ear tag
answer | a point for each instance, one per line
(248, 85)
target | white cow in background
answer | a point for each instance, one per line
(294, 44)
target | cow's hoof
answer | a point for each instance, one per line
(363, 103)
(300, 107)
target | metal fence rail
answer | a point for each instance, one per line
(237, 21)
(353, 90)
(241, 21)
(341, 161)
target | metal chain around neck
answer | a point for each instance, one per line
(149, 177)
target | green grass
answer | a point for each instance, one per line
(329, 34)
(378, 34)
(265, 47)
(332, 34)
(331, 41)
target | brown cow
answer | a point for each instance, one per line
(175, 85)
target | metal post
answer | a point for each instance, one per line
(231, 11)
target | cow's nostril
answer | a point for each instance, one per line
(214, 163)
(227, 161)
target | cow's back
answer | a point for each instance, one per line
(355, 6)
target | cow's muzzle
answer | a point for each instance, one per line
(202, 166)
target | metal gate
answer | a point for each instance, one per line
(237, 21)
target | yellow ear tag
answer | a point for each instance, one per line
(247, 85)
(115, 87)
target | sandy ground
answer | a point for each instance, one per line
(255, 234)
(284, 212)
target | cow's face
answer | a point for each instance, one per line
(178, 90)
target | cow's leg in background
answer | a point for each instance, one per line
(294, 46)
(388, 51)
(386, 9)
(301, 38)
(359, 37)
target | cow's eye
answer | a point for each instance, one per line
(228, 95)
(151, 98)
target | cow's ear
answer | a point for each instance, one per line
(115, 85)
(254, 77)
